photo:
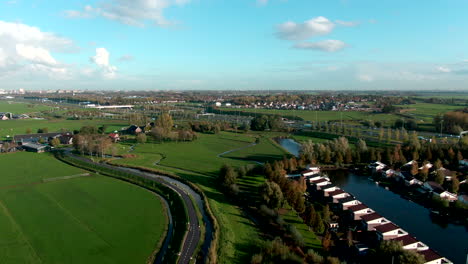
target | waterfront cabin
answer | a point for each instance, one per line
(438, 190)
(337, 194)
(347, 202)
(389, 231)
(359, 210)
(320, 182)
(432, 257)
(328, 188)
(370, 221)
(410, 243)
(315, 177)
(377, 166)
(311, 171)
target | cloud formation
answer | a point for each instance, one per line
(130, 12)
(347, 23)
(101, 59)
(26, 50)
(329, 45)
(314, 27)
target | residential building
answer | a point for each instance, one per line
(389, 231)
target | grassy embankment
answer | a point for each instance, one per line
(18, 108)
(79, 220)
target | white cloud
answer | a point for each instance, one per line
(101, 59)
(262, 2)
(329, 45)
(35, 54)
(130, 12)
(314, 27)
(347, 23)
(443, 69)
(28, 51)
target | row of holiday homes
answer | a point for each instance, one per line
(405, 176)
(369, 219)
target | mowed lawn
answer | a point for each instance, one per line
(22, 108)
(16, 127)
(82, 220)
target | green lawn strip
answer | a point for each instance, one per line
(177, 207)
(264, 151)
(16, 127)
(310, 239)
(26, 168)
(96, 193)
(14, 245)
(22, 108)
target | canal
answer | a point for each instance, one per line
(450, 240)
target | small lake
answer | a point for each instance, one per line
(450, 240)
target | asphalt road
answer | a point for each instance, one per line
(193, 235)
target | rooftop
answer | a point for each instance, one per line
(430, 255)
(358, 207)
(370, 217)
(386, 228)
(406, 240)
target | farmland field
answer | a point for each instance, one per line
(426, 111)
(320, 116)
(22, 108)
(79, 220)
(15, 127)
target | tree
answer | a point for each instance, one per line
(141, 138)
(28, 130)
(326, 213)
(440, 177)
(271, 195)
(55, 142)
(390, 251)
(326, 241)
(310, 215)
(361, 146)
(165, 122)
(43, 130)
(227, 176)
(319, 226)
(454, 185)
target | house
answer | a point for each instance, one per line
(409, 179)
(377, 166)
(432, 257)
(311, 171)
(133, 130)
(66, 139)
(33, 147)
(337, 194)
(388, 173)
(320, 182)
(410, 243)
(463, 198)
(328, 188)
(5, 116)
(346, 202)
(114, 137)
(438, 190)
(427, 166)
(407, 166)
(359, 210)
(315, 177)
(389, 231)
(35, 138)
(370, 221)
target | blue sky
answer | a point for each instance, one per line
(234, 44)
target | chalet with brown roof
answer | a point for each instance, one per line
(389, 231)
(410, 243)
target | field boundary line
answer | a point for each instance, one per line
(66, 177)
(76, 219)
(20, 230)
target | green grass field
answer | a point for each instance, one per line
(320, 116)
(22, 108)
(82, 220)
(426, 112)
(15, 127)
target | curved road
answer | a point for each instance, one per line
(193, 233)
